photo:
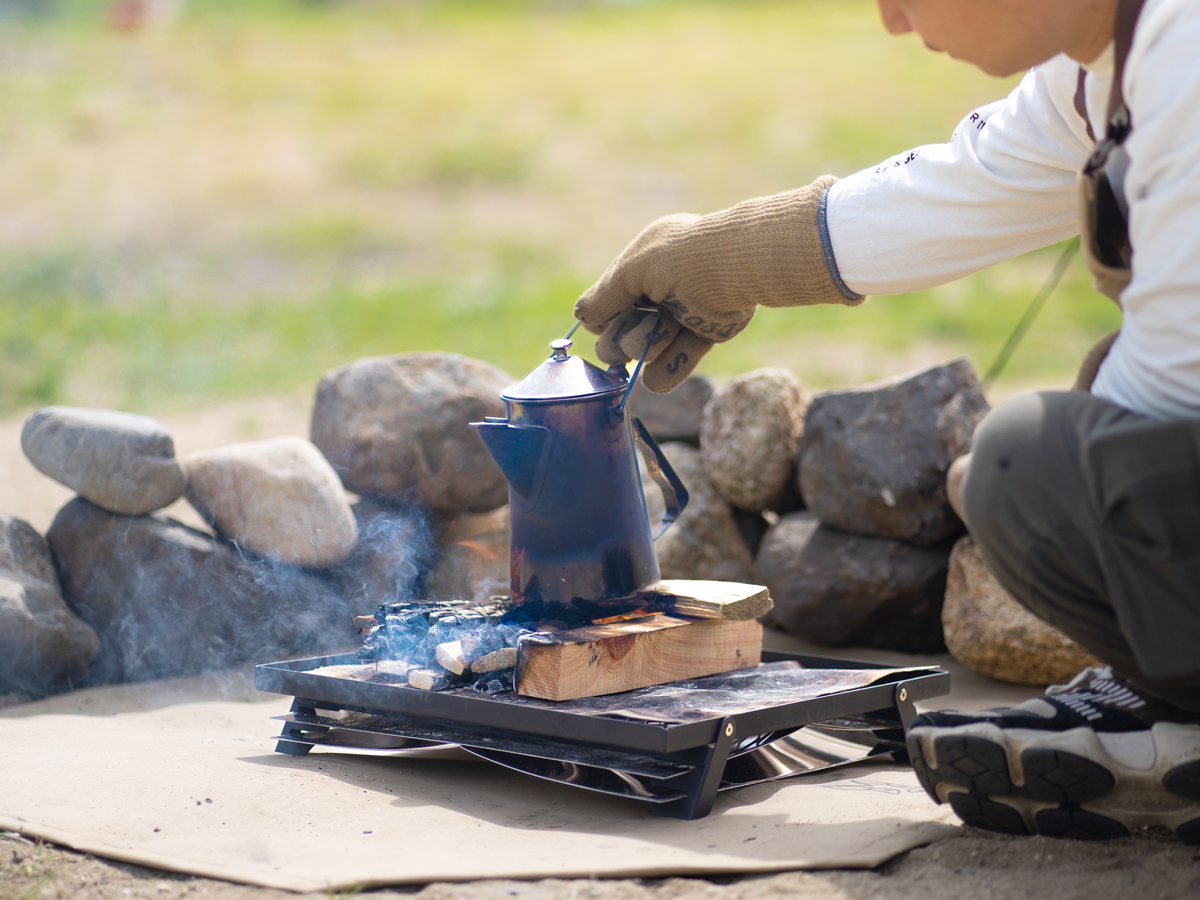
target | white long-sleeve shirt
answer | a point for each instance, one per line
(1006, 184)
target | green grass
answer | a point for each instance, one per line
(233, 202)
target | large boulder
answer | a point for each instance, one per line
(705, 542)
(279, 499)
(842, 589)
(395, 553)
(43, 645)
(168, 600)
(472, 557)
(988, 631)
(750, 436)
(873, 459)
(675, 416)
(398, 427)
(122, 462)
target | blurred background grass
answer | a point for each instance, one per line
(245, 193)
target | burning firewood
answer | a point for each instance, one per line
(505, 658)
(428, 680)
(451, 657)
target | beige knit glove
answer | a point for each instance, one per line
(707, 274)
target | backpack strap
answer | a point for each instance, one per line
(1119, 124)
(1081, 103)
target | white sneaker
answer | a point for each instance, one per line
(1091, 759)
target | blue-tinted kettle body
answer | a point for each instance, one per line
(580, 538)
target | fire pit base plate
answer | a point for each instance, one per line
(713, 734)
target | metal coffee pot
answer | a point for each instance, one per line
(580, 538)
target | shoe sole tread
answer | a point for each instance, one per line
(1030, 782)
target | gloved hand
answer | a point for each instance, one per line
(707, 274)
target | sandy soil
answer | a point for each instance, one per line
(975, 865)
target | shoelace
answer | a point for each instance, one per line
(1093, 689)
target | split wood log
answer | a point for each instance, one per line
(451, 657)
(728, 600)
(504, 658)
(428, 680)
(607, 659)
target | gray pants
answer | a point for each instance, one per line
(1090, 516)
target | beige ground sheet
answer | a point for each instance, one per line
(182, 776)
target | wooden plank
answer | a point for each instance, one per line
(657, 649)
(728, 600)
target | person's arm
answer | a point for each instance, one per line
(1005, 184)
(1154, 366)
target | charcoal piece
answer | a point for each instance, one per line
(675, 416)
(494, 682)
(705, 542)
(120, 461)
(842, 589)
(750, 437)
(168, 600)
(398, 427)
(873, 459)
(414, 631)
(44, 646)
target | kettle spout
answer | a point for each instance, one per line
(521, 452)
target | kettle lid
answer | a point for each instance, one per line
(565, 377)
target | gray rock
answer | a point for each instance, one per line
(752, 526)
(750, 437)
(988, 631)
(843, 589)
(43, 645)
(395, 553)
(122, 462)
(279, 499)
(675, 416)
(473, 557)
(704, 542)
(873, 460)
(397, 427)
(167, 600)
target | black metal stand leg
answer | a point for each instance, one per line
(907, 693)
(704, 784)
(291, 729)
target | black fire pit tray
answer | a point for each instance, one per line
(679, 768)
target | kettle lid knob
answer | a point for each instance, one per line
(560, 348)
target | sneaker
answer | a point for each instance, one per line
(1091, 759)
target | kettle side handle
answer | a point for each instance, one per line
(675, 494)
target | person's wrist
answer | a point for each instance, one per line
(786, 245)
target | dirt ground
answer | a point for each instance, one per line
(975, 864)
